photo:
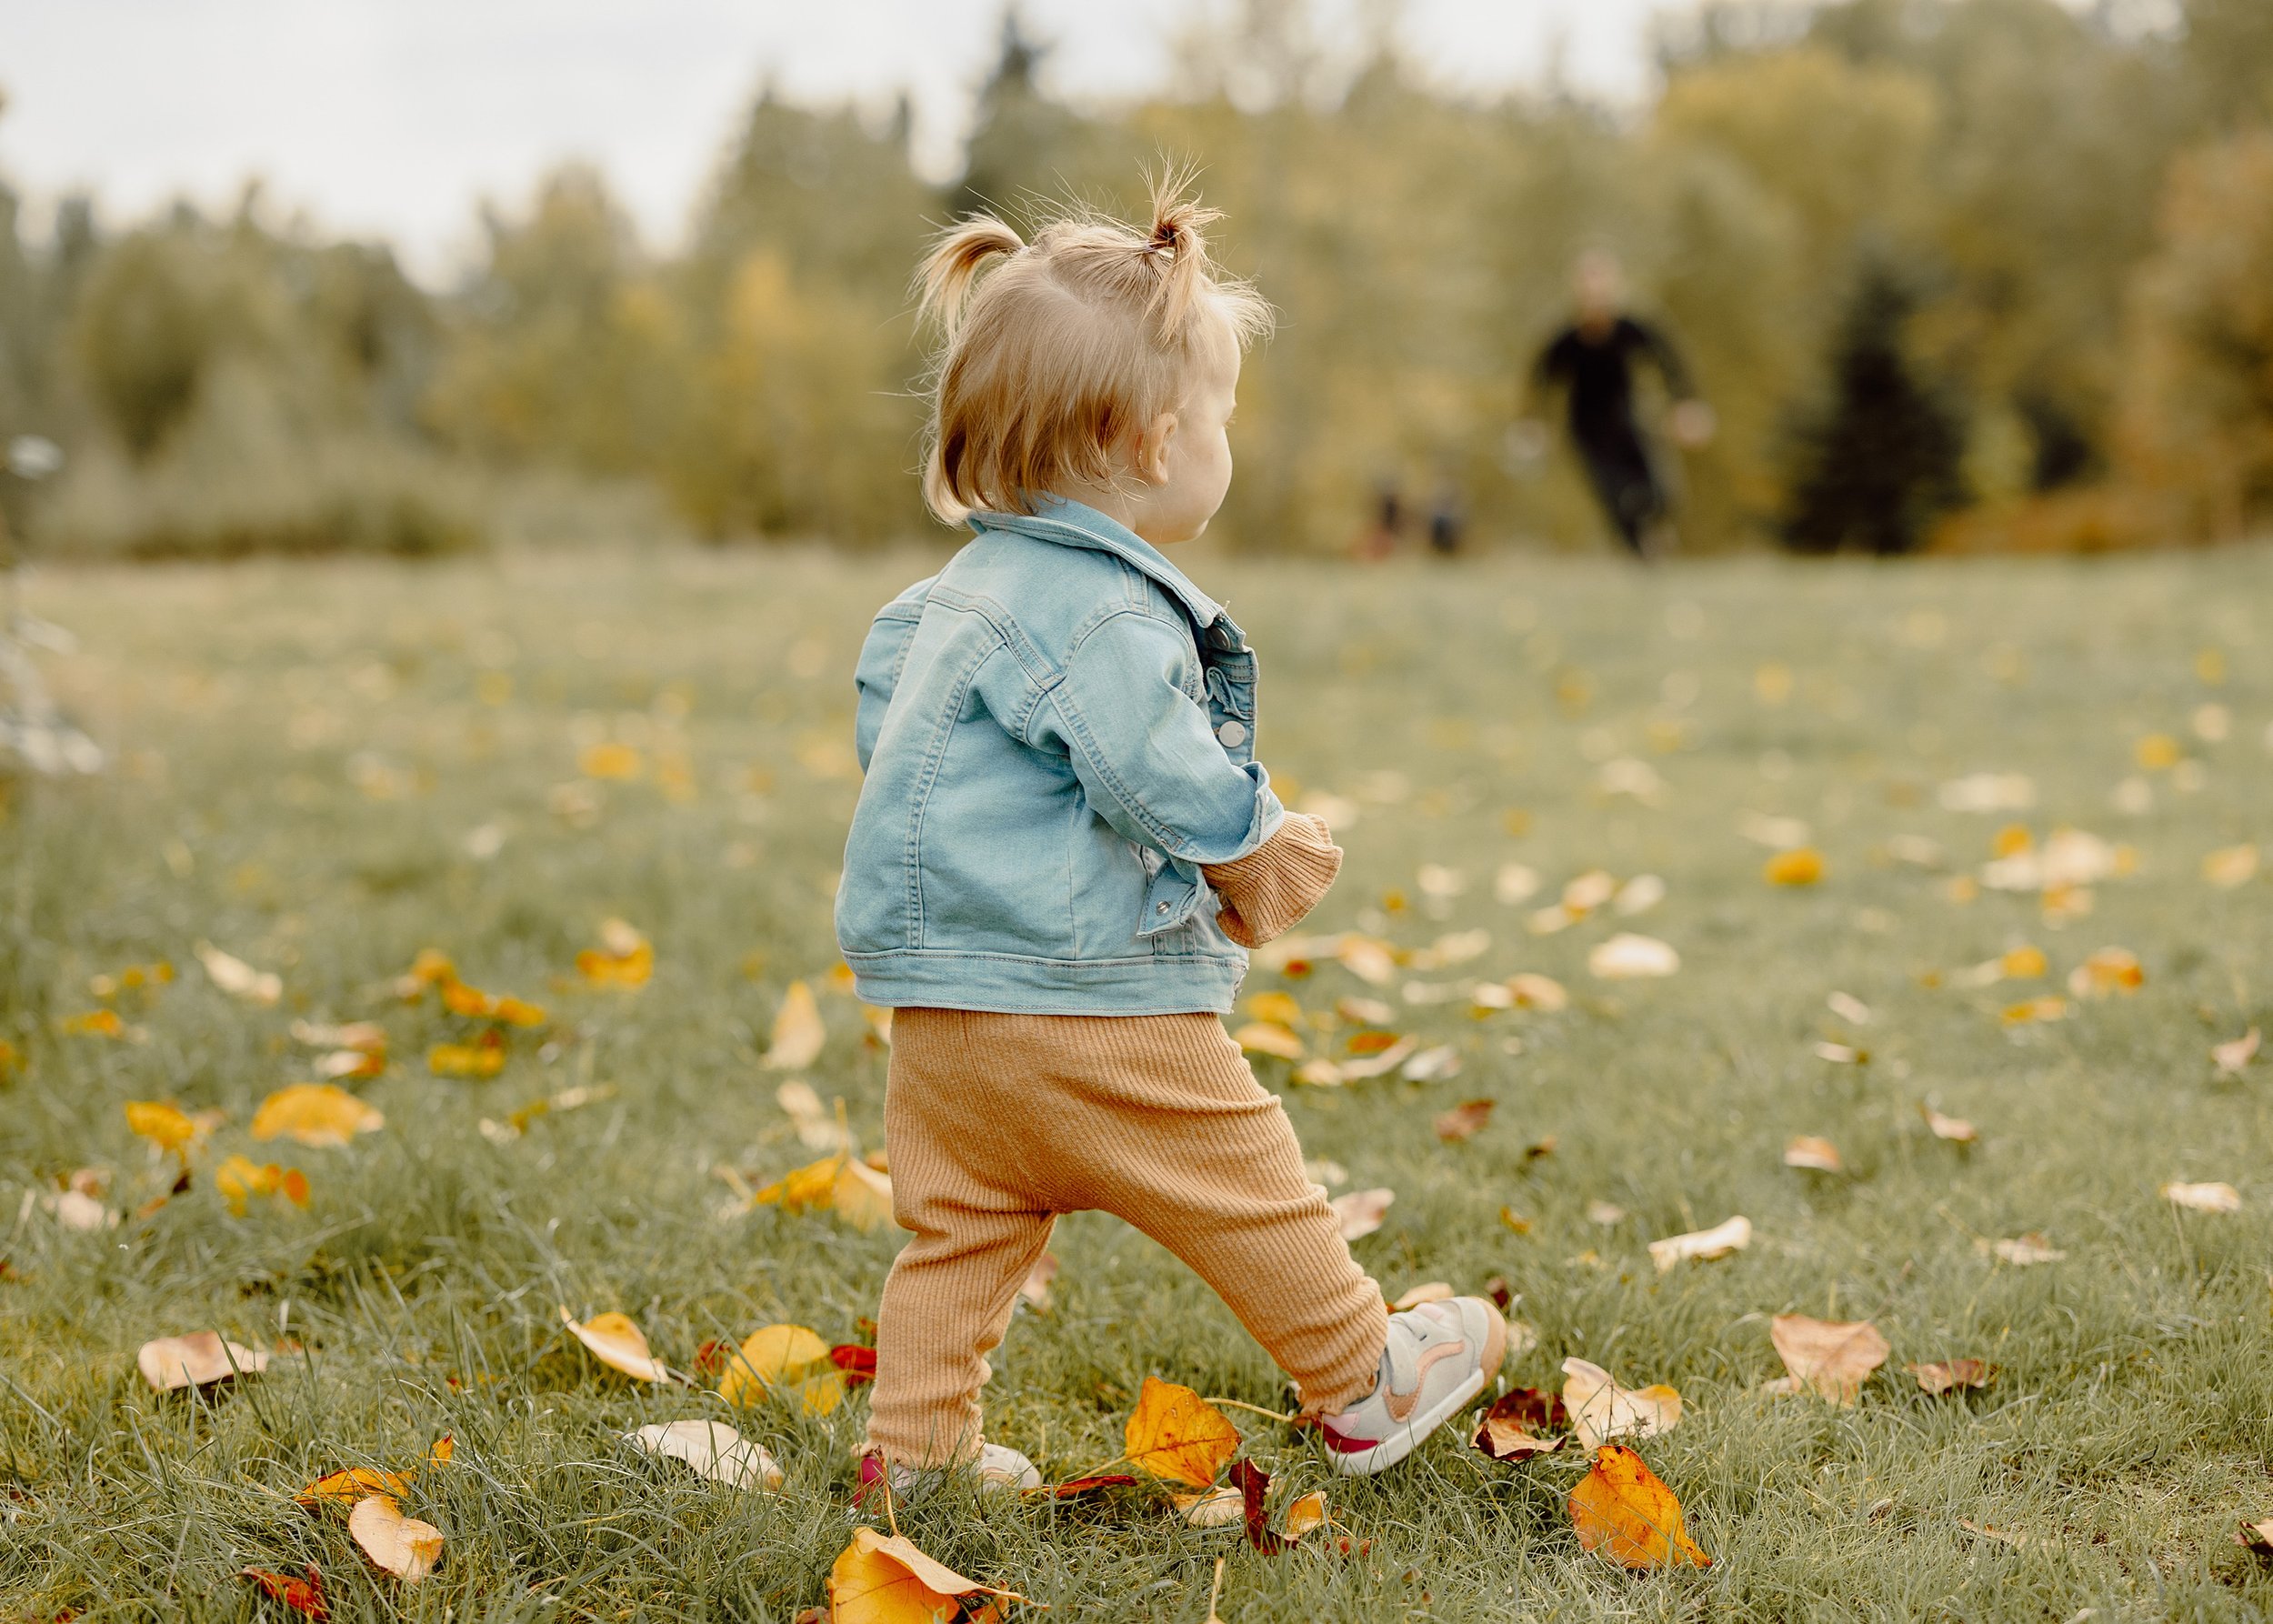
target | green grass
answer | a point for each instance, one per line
(303, 750)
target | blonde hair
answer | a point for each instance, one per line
(1053, 351)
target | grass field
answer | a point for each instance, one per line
(324, 769)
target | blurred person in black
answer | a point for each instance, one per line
(1592, 360)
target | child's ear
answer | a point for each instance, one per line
(1152, 448)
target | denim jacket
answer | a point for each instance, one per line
(1058, 732)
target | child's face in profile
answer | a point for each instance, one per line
(1183, 458)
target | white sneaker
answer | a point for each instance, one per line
(997, 1467)
(1439, 1355)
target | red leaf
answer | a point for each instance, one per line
(1073, 1487)
(1532, 1411)
(857, 1363)
(304, 1596)
(1252, 1481)
(709, 1359)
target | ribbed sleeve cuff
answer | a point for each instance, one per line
(1268, 892)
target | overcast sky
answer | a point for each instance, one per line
(393, 118)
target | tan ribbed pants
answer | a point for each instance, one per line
(997, 1123)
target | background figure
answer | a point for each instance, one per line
(1379, 538)
(1446, 518)
(1592, 359)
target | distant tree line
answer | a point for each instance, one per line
(1987, 273)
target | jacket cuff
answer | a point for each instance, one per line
(1268, 892)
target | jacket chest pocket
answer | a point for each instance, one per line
(1228, 675)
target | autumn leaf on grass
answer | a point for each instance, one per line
(1177, 1435)
(1465, 1120)
(2032, 1010)
(1518, 1424)
(714, 1450)
(2232, 1058)
(233, 976)
(1627, 957)
(1952, 1375)
(2230, 865)
(347, 1488)
(1831, 1357)
(364, 1037)
(165, 1125)
(2256, 1537)
(2108, 971)
(322, 1115)
(1730, 1234)
(1956, 1129)
(1622, 1510)
(797, 1034)
(858, 1360)
(1361, 1212)
(2203, 1198)
(861, 1196)
(402, 1546)
(1268, 1037)
(1534, 991)
(803, 1189)
(483, 1057)
(196, 1360)
(1075, 1487)
(1815, 1155)
(239, 1178)
(2024, 963)
(1801, 866)
(2022, 1251)
(818, 1128)
(787, 1362)
(618, 1342)
(303, 1596)
(460, 998)
(878, 1580)
(1601, 1409)
(624, 961)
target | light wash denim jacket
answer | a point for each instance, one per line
(1059, 731)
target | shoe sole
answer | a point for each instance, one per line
(1409, 1437)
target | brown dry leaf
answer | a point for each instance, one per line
(1268, 1037)
(1428, 1291)
(2232, 1058)
(714, 1450)
(170, 1363)
(1816, 1155)
(1465, 1121)
(1176, 1434)
(1832, 1358)
(2024, 1250)
(1601, 1409)
(1621, 1510)
(787, 1362)
(2203, 1198)
(618, 1342)
(1956, 1129)
(1627, 957)
(317, 1113)
(1730, 1234)
(1361, 1212)
(233, 976)
(2256, 1537)
(1950, 1374)
(1512, 1429)
(799, 1034)
(402, 1546)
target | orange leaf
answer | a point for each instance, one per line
(1953, 1374)
(881, 1580)
(303, 1596)
(1465, 1120)
(1621, 1510)
(345, 1488)
(1177, 1435)
(1801, 866)
(618, 1342)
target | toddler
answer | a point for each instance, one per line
(1063, 846)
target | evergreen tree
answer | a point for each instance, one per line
(1881, 458)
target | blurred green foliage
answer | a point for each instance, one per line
(2074, 205)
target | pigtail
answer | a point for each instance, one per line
(1179, 248)
(947, 273)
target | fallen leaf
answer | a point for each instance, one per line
(1074, 1488)
(1848, 1008)
(2002, 1536)
(1433, 1065)
(1514, 1220)
(811, 1186)
(239, 1178)
(2230, 865)
(1533, 991)
(1465, 1121)
(365, 1036)
(350, 1063)
(1214, 1508)
(715, 1451)
(858, 1360)
(98, 1023)
(624, 961)
(861, 1196)
(1605, 1213)
(1382, 1063)
(2203, 1198)
(1512, 1429)
(402, 1546)
(167, 1126)
(2110, 970)
(1176, 1434)
(1601, 1409)
(787, 1362)
(1428, 1291)
(2045, 1008)
(1621, 1510)
(618, 1342)
(1817, 1156)
(1627, 957)
(1831, 1357)
(2256, 1537)
(1841, 1054)
(317, 1113)
(1730, 1234)
(1364, 1012)
(1253, 1483)
(2030, 1249)
(1268, 1037)
(170, 1363)
(1514, 882)
(233, 976)
(1305, 1515)
(1639, 894)
(1950, 1374)
(799, 1034)
(2232, 1058)
(1956, 1129)
(1801, 866)
(345, 1488)
(483, 1057)
(75, 1209)
(1361, 1212)
(303, 1596)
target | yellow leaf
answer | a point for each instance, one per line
(787, 1362)
(625, 958)
(402, 1546)
(813, 1185)
(2230, 865)
(345, 1488)
(1177, 1435)
(95, 1023)
(618, 1342)
(2110, 970)
(1621, 1510)
(862, 1196)
(1601, 1409)
(167, 1126)
(1268, 1037)
(318, 1114)
(1277, 1007)
(1802, 866)
(1305, 1514)
(799, 1034)
(239, 1178)
(609, 761)
(1956, 1129)
(2158, 752)
(484, 1057)
(1953, 1374)
(1831, 1357)
(2024, 963)
(1537, 992)
(878, 1580)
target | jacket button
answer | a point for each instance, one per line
(1233, 733)
(1160, 907)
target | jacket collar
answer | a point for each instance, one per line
(1078, 525)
